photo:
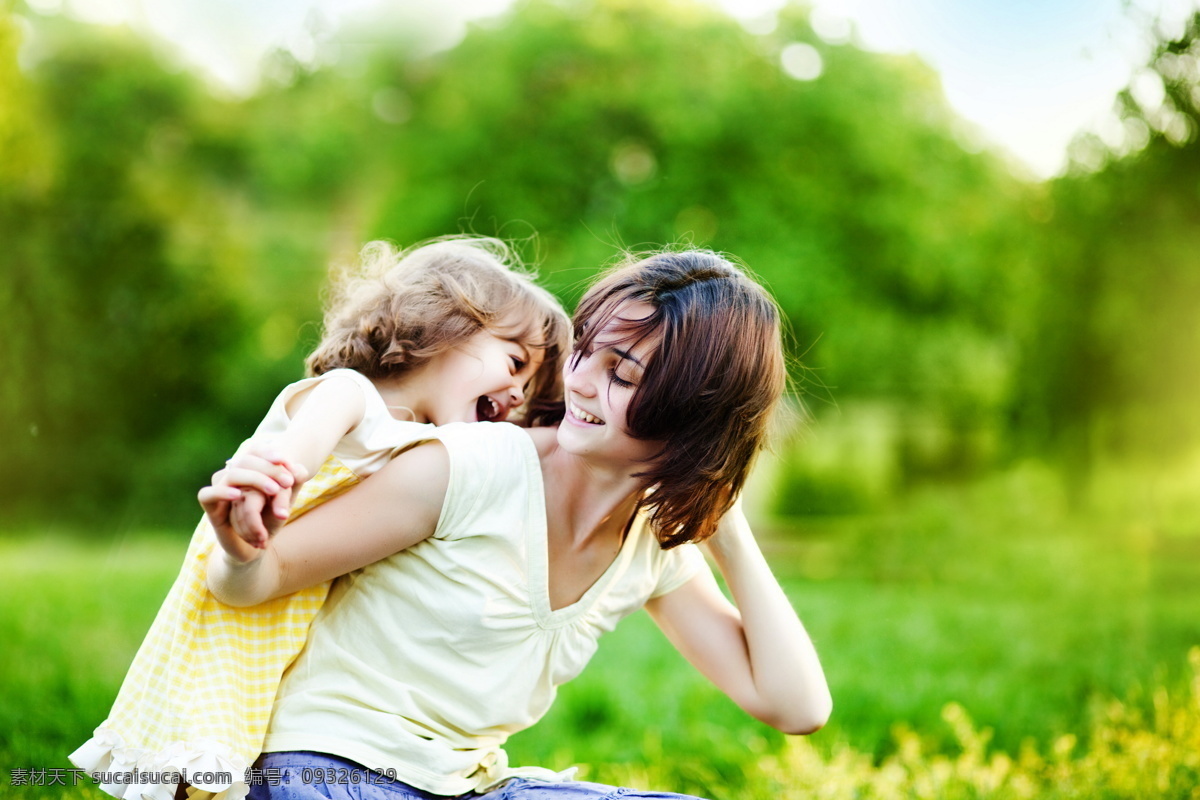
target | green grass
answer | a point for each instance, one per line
(990, 596)
(72, 614)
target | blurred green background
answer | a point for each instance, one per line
(988, 489)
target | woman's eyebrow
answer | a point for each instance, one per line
(625, 354)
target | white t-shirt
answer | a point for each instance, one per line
(427, 661)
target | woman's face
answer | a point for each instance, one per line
(600, 384)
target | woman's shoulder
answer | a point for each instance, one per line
(544, 439)
(494, 443)
(492, 471)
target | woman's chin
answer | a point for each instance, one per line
(574, 438)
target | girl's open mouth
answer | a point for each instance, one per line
(488, 410)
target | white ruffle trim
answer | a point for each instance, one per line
(133, 773)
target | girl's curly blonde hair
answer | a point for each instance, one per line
(400, 308)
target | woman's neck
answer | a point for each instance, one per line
(586, 502)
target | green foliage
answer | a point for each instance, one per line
(848, 195)
(164, 249)
(72, 617)
(1131, 754)
(192, 233)
(1112, 365)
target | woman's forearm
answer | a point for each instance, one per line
(238, 583)
(786, 672)
(391, 511)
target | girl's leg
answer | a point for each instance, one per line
(524, 789)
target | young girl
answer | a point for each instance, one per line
(444, 332)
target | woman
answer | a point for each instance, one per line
(481, 567)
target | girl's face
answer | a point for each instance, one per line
(600, 384)
(483, 379)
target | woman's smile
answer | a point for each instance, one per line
(583, 416)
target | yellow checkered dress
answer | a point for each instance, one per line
(198, 695)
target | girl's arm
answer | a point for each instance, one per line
(757, 652)
(392, 510)
(319, 418)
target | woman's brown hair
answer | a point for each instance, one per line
(708, 390)
(399, 309)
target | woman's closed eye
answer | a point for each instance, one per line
(517, 364)
(617, 379)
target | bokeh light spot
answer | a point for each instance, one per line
(392, 106)
(802, 61)
(830, 26)
(632, 163)
(1147, 89)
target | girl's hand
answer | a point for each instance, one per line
(250, 514)
(217, 502)
(237, 501)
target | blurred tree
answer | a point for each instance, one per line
(847, 190)
(1112, 368)
(169, 244)
(110, 330)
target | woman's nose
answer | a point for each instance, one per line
(578, 375)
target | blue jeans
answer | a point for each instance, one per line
(319, 776)
(525, 789)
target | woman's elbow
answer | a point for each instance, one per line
(802, 720)
(233, 599)
(232, 589)
(803, 726)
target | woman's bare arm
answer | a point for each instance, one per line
(392, 510)
(758, 651)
